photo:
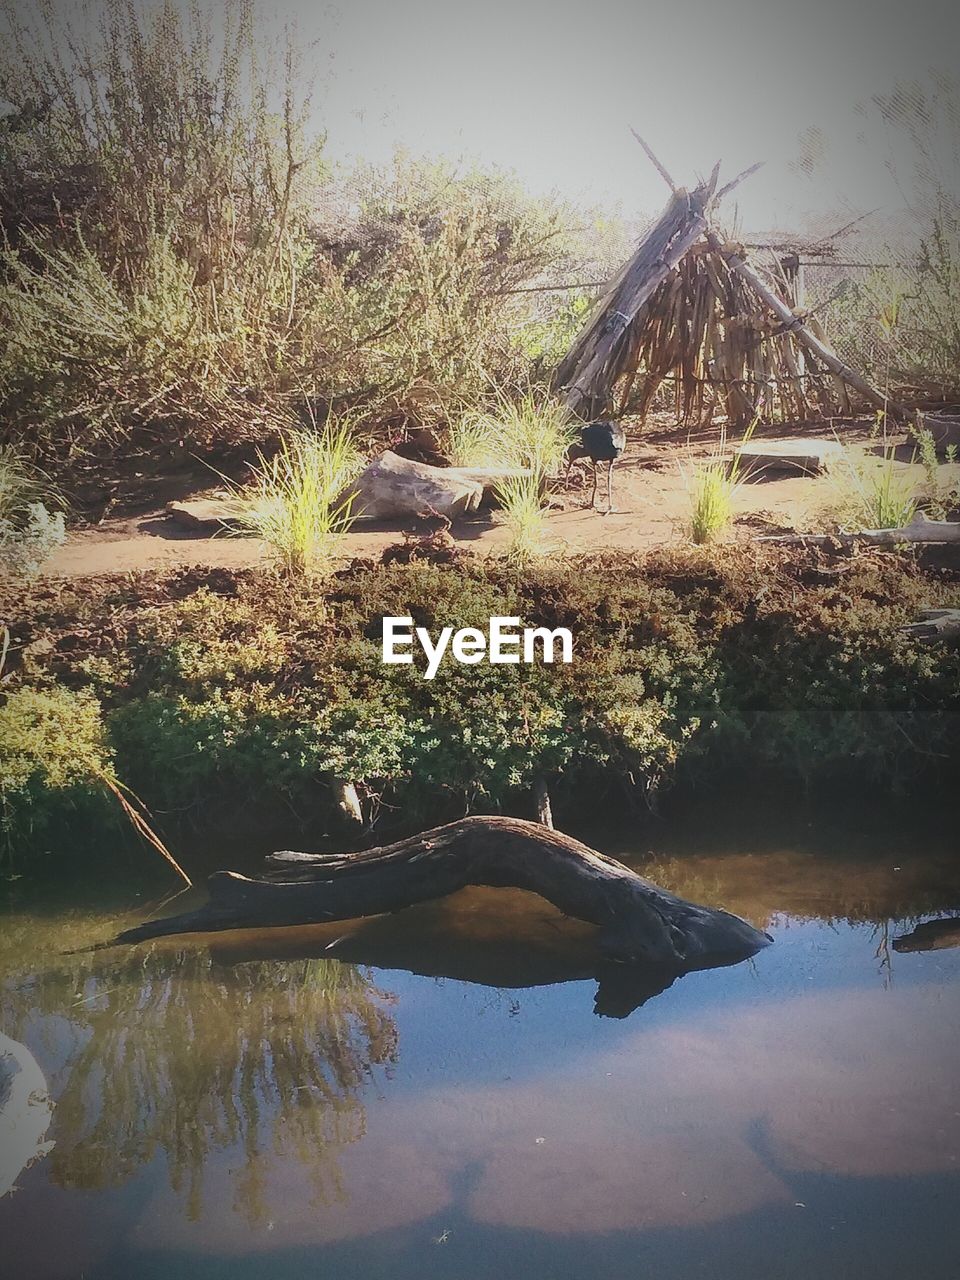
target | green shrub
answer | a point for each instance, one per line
(54, 753)
(689, 665)
(298, 501)
(29, 531)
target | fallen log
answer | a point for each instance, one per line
(393, 486)
(921, 529)
(637, 921)
(935, 624)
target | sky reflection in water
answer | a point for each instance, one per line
(257, 1105)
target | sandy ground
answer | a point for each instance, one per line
(651, 508)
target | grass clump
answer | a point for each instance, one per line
(529, 434)
(298, 500)
(29, 530)
(941, 489)
(524, 514)
(871, 492)
(531, 430)
(712, 485)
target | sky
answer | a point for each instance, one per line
(550, 88)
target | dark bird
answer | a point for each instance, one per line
(600, 442)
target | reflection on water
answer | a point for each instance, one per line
(431, 1094)
(171, 1054)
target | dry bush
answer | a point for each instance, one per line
(181, 273)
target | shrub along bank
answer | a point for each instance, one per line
(214, 693)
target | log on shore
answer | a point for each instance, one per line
(393, 486)
(921, 529)
(637, 921)
(934, 625)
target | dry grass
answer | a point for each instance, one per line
(712, 485)
(299, 501)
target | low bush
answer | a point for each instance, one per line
(243, 691)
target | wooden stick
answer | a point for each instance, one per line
(803, 334)
(921, 529)
(655, 162)
(735, 182)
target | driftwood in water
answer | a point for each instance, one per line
(25, 1112)
(637, 921)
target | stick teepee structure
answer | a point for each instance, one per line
(689, 306)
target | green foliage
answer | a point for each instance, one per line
(870, 492)
(941, 489)
(689, 664)
(29, 531)
(180, 266)
(901, 324)
(712, 485)
(523, 513)
(54, 754)
(530, 430)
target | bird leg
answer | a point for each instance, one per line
(610, 485)
(596, 477)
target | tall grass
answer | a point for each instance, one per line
(941, 489)
(31, 521)
(712, 485)
(870, 492)
(524, 515)
(299, 502)
(20, 485)
(531, 431)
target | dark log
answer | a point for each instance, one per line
(935, 624)
(637, 921)
(933, 935)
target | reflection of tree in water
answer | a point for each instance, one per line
(179, 1058)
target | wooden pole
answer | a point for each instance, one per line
(737, 262)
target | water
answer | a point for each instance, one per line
(442, 1099)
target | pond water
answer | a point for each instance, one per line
(436, 1095)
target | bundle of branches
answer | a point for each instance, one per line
(689, 306)
(709, 333)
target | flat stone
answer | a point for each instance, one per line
(788, 456)
(211, 514)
